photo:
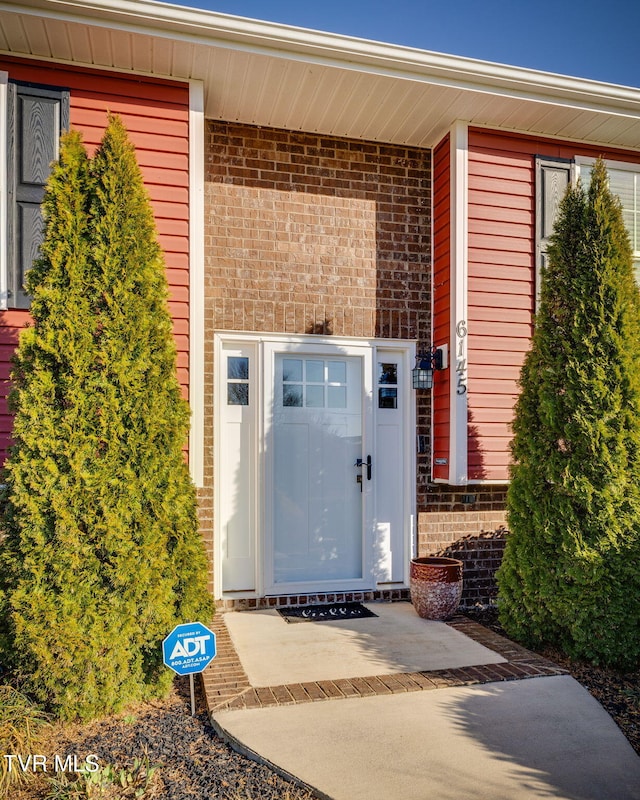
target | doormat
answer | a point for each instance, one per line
(325, 613)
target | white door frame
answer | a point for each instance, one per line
(264, 347)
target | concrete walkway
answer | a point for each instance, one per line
(418, 710)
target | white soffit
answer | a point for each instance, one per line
(285, 77)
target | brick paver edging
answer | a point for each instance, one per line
(227, 687)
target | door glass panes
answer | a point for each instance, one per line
(292, 395)
(388, 373)
(337, 372)
(337, 397)
(292, 370)
(315, 371)
(314, 383)
(387, 384)
(237, 381)
(315, 397)
(292, 388)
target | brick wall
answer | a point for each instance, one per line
(306, 234)
(310, 234)
(468, 523)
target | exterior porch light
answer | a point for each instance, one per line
(426, 363)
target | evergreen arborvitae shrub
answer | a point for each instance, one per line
(102, 555)
(570, 573)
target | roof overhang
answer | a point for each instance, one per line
(285, 77)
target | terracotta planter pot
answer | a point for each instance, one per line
(436, 586)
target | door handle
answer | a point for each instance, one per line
(360, 463)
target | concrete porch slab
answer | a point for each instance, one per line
(274, 652)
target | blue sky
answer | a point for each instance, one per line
(597, 39)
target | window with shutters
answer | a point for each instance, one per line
(624, 181)
(33, 119)
(552, 178)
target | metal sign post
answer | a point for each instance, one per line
(193, 696)
(188, 649)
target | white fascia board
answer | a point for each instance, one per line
(196, 281)
(459, 190)
(286, 41)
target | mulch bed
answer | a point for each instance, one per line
(618, 692)
(195, 764)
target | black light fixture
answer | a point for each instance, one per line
(422, 373)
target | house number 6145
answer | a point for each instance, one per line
(461, 361)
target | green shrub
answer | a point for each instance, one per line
(21, 723)
(571, 570)
(102, 555)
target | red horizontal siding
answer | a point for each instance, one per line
(511, 357)
(489, 313)
(485, 295)
(493, 402)
(181, 327)
(498, 328)
(160, 193)
(490, 416)
(178, 277)
(512, 188)
(500, 286)
(505, 146)
(498, 343)
(500, 295)
(501, 281)
(493, 372)
(171, 210)
(491, 199)
(482, 261)
(441, 305)
(171, 244)
(489, 238)
(178, 310)
(156, 114)
(501, 229)
(494, 385)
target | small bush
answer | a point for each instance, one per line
(107, 783)
(21, 723)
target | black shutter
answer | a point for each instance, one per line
(36, 118)
(553, 176)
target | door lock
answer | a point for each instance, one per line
(360, 463)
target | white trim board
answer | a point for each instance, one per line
(459, 190)
(196, 281)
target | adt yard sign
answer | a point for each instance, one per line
(189, 648)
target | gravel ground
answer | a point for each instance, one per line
(196, 765)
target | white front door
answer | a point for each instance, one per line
(317, 441)
(315, 482)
